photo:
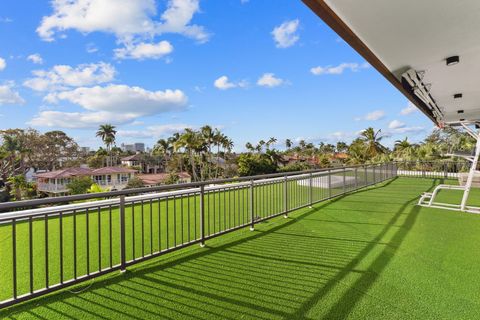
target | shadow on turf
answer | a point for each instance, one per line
(343, 305)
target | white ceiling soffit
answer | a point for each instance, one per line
(421, 34)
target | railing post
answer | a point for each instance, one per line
(310, 195)
(285, 197)
(123, 259)
(252, 206)
(344, 180)
(202, 216)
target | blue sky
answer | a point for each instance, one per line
(254, 68)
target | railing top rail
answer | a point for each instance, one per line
(66, 199)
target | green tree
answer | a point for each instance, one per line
(134, 183)
(254, 164)
(79, 185)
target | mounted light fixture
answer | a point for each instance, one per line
(453, 60)
(457, 96)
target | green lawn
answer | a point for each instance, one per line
(371, 254)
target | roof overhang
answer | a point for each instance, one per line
(414, 38)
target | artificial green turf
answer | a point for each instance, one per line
(371, 254)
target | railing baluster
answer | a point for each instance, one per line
(202, 215)
(123, 253)
(30, 251)
(285, 197)
(46, 252)
(14, 256)
(99, 235)
(61, 246)
(252, 213)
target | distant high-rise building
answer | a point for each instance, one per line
(134, 147)
(84, 150)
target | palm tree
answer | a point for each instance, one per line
(249, 147)
(372, 139)
(271, 141)
(302, 143)
(209, 136)
(107, 133)
(341, 146)
(404, 149)
(164, 148)
(288, 144)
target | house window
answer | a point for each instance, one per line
(109, 178)
(124, 177)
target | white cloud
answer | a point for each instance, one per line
(269, 80)
(127, 19)
(372, 116)
(35, 58)
(155, 131)
(410, 108)
(285, 34)
(78, 120)
(62, 77)
(6, 20)
(8, 95)
(395, 124)
(223, 83)
(144, 50)
(91, 48)
(3, 64)
(122, 99)
(403, 129)
(117, 104)
(352, 66)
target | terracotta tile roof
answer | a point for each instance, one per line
(65, 173)
(77, 172)
(135, 157)
(158, 178)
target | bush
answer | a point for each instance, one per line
(254, 164)
(135, 182)
(294, 167)
(80, 185)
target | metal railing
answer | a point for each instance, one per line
(446, 169)
(49, 244)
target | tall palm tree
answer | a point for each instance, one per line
(107, 133)
(164, 148)
(210, 138)
(288, 144)
(372, 139)
(404, 149)
(250, 146)
(271, 141)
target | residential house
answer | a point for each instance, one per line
(145, 163)
(55, 182)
